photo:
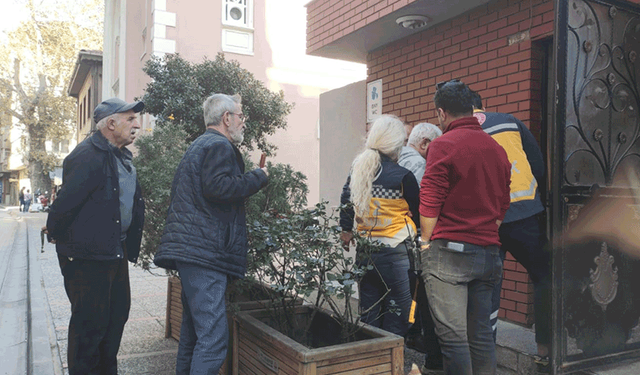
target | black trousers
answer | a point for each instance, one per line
(424, 327)
(525, 240)
(100, 298)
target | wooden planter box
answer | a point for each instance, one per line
(173, 321)
(260, 349)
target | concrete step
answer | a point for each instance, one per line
(515, 350)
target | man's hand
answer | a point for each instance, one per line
(427, 224)
(46, 231)
(346, 238)
(264, 169)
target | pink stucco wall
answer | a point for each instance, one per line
(137, 48)
(198, 33)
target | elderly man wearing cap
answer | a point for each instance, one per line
(96, 223)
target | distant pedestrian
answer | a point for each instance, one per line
(21, 199)
(385, 205)
(27, 200)
(464, 196)
(96, 223)
(521, 233)
(205, 237)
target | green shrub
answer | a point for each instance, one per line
(299, 254)
(158, 157)
(179, 87)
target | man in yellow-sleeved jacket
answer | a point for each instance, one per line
(521, 233)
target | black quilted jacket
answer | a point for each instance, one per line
(206, 218)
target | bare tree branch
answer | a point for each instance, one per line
(15, 114)
(17, 86)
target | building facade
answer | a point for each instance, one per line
(13, 172)
(499, 48)
(86, 86)
(568, 70)
(267, 37)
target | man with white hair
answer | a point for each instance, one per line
(205, 236)
(421, 336)
(96, 223)
(414, 154)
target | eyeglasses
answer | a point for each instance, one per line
(241, 116)
(440, 85)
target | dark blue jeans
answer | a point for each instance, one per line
(391, 271)
(525, 240)
(204, 334)
(460, 278)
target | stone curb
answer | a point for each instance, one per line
(44, 354)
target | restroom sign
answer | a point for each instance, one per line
(374, 100)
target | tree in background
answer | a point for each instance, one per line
(175, 96)
(36, 63)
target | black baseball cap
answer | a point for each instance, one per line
(115, 105)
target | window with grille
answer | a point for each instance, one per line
(237, 26)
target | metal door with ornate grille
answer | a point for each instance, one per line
(594, 155)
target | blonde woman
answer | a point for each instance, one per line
(385, 198)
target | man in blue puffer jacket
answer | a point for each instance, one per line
(205, 236)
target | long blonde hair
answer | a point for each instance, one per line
(386, 136)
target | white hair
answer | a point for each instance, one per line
(423, 130)
(385, 137)
(216, 105)
(102, 123)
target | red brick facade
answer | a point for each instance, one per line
(328, 20)
(474, 48)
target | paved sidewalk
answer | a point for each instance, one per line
(14, 302)
(144, 350)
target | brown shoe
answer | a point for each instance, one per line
(431, 371)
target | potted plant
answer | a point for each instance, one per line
(299, 254)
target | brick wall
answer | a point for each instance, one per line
(474, 47)
(328, 20)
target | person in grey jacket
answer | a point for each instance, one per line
(414, 154)
(421, 336)
(205, 237)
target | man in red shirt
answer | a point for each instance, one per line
(464, 196)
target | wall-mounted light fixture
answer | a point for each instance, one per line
(413, 21)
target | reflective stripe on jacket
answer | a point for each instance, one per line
(508, 132)
(394, 194)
